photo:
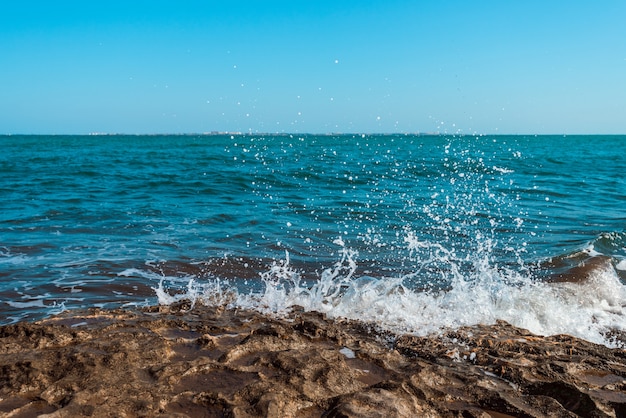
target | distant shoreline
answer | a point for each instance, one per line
(290, 134)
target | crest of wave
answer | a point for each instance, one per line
(479, 294)
(593, 310)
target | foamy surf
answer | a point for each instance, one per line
(593, 309)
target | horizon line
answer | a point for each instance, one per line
(239, 133)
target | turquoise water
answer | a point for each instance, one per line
(320, 221)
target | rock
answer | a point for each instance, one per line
(170, 362)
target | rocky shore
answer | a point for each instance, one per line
(214, 362)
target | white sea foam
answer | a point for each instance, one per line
(30, 304)
(7, 258)
(479, 295)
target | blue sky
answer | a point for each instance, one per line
(312, 66)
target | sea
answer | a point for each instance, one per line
(412, 233)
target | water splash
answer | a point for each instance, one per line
(593, 310)
(458, 247)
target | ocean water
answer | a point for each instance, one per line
(415, 233)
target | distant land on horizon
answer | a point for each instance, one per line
(286, 134)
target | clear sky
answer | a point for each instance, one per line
(188, 66)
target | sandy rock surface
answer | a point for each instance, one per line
(211, 362)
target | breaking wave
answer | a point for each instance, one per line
(591, 306)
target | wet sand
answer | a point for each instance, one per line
(215, 362)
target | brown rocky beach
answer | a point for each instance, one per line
(215, 362)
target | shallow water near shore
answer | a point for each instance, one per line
(414, 233)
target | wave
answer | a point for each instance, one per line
(592, 308)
